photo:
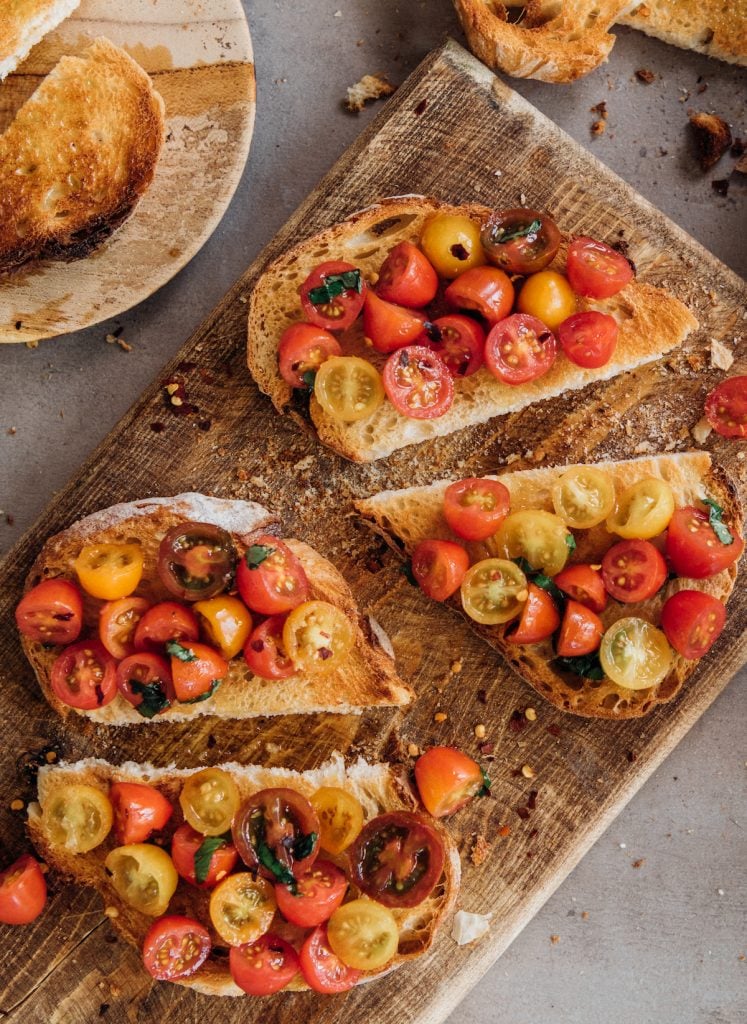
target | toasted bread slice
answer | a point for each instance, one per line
(24, 23)
(77, 158)
(651, 321)
(378, 787)
(714, 27)
(368, 679)
(408, 516)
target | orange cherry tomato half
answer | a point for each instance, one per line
(264, 966)
(139, 810)
(23, 891)
(51, 613)
(459, 340)
(85, 676)
(270, 578)
(694, 550)
(165, 621)
(302, 350)
(319, 892)
(206, 871)
(474, 508)
(633, 570)
(692, 622)
(334, 312)
(196, 670)
(487, 290)
(417, 382)
(439, 566)
(144, 680)
(447, 779)
(584, 585)
(520, 240)
(118, 621)
(264, 651)
(389, 327)
(225, 622)
(407, 277)
(520, 348)
(323, 971)
(726, 407)
(175, 947)
(589, 339)
(596, 270)
(539, 618)
(581, 631)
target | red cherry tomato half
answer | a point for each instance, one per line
(439, 566)
(693, 548)
(186, 843)
(85, 676)
(460, 341)
(196, 673)
(596, 270)
(139, 810)
(397, 859)
(323, 971)
(263, 966)
(144, 680)
(302, 350)
(726, 407)
(692, 622)
(23, 891)
(389, 327)
(270, 578)
(581, 631)
(51, 613)
(633, 570)
(407, 278)
(474, 508)
(166, 621)
(418, 383)
(118, 621)
(589, 339)
(265, 653)
(282, 821)
(339, 311)
(487, 290)
(447, 779)
(539, 618)
(520, 348)
(175, 947)
(319, 892)
(584, 585)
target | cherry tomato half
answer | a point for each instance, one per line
(340, 817)
(139, 810)
(326, 300)
(209, 801)
(418, 383)
(407, 278)
(175, 947)
(348, 388)
(452, 244)
(84, 676)
(165, 621)
(486, 290)
(51, 613)
(363, 934)
(264, 966)
(23, 891)
(726, 407)
(323, 970)
(144, 679)
(633, 570)
(187, 843)
(389, 327)
(196, 561)
(520, 348)
(474, 508)
(581, 631)
(459, 340)
(302, 350)
(584, 585)
(318, 892)
(539, 618)
(226, 623)
(397, 859)
(589, 338)
(693, 548)
(264, 651)
(596, 270)
(143, 875)
(548, 296)
(520, 240)
(318, 636)
(270, 578)
(692, 622)
(196, 669)
(242, 907)
(109, 571)
(78, 817)
(281, 822)
(634, 654)
(439, 566)
(447, 779)
(118, 621)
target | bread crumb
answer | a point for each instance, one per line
(585, 915)
(413, 749)
(643, 447)
(645, 76)
(530, 714)
(367, 90)
(111, 912)
(440, 716)
(555, 939)
(456, 667)
(528, 772)
(721, 357)
(712, 138)
(480, 731)
(701, 430)
(480, 851)
(639, 862)
(17, 805)
(598, 127)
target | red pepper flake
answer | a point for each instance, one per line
(487, 748)
(175, 396)
(639, 862)
(645, 76)
(504, 830)
(532, 801)
(205, 425)
(9, 519)
(534, 833)
(186, 367)
(482, 696)
(631, 755)
(459, 252)
(523, 813)
(517, 722)
(421, 107)
(158, 428)
(554, 730)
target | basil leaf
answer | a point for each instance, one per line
(257, 554)
(268, 860)
(570, 541)
(204, 854)
(587, 665)
(715, 514)
(486, 784)
(206, 695)
(154, 699)
(407, 572)
(540, 580)
(304, 845)
(334, 285)
(309, 379)
(531, 229)
(180, 652)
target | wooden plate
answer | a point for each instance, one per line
(200, 57)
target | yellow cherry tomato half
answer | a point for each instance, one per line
(348, 388)
(340, 818)
(242, 908)
(209, 800)
(78, 817)
(548, 296)
(226, 621)
(494, 591)
(643, 510)
(109, 571)
(144, 876)
(540, 537)
(317, 637)
(363, 934)
(583, 496)
(452, 244)
(634, 654)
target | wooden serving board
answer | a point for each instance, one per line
(447, 131)
(200, 58)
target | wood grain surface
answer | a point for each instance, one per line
(200, 58)
(447, 131)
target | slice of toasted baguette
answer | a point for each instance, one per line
(77, 158)
(717, 28)
(24, 23)
(379, 788)
(368, 679)
(408, 516)
(651, 321)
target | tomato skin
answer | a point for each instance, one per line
(726, 407)
(692, 622)
(23, 891)
(584, 585)
(417, 382)
(397, 859)
(185, 844)
(323, 971)
(407, 278)
(389, 327)
(278, 584)
(589, 338)
(343, 310)
(548, 296)
(118, 621)
(595, 270)
(475, 507)
(196, 561)
(318, 637)
(145, 668)
(192, 679)
(439, 566)
(581, 631)
(531, 251)
(84, 676)
(519, 349)
(139, 810)
(264, 966)
(487, 290)
(459, 341)
(633, 570)
(264, 651)
(175, 947)
(302, 349)
(452, 244)
(320, 891)
(51, 613)
(694, 550)
(226, 623)
(447, 779)
(109, 571)
(165, 621)
(340, 817)
(539, 618)
(272, 816)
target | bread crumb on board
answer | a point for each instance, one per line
(467, 927)
(721, 356)
(712, 138)
(480, 850)
(701, 430)
(369, 89)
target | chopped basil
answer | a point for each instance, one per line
(154, 699)
(257, 554)
(715, 515)
(570, 541)
(540, 580)
(587, 665)
(530, 229)
(484, 790)
(268, 860)
(204, 854)
(206, 695)
(304, 845)
(176, 649)
(309, 379)
(335, 285)
(407, 572)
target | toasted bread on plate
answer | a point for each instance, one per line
(24, 23)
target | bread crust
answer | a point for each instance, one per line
(24, 23)
(712, 27)
(408, 516)
(379, 788)
(368, 679)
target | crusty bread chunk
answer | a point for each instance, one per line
(406, 517)
(24, 23)
(77, 158)
(717, 28)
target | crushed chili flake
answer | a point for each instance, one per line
(523, 813)
(504, 830)
(639, 862)
(533, 834)
(532, 801)
(487, 747)
(9, 519)
(175, 396)
(631, 755)
(205, 425)
(158, 428)
(599, 108)
(517, 722)
(482, 696)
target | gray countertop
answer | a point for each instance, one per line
(650, 926)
